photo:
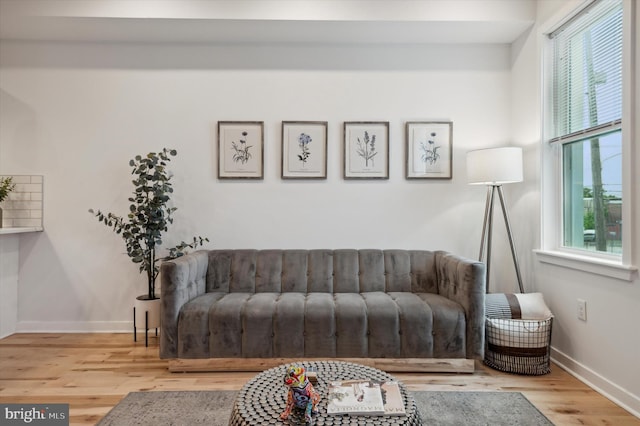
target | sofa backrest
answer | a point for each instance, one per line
(325, 271)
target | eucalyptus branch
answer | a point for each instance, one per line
(149, 215)
(6, 186)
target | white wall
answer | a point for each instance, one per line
(76, 113)
(604, 350)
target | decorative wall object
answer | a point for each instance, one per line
(240, 149)
(23, 206)
(366, 150)
(6, 186)
(429, 150)
(304, 149)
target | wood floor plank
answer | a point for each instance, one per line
(93, 372)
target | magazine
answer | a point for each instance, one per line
(355, 397)
(393, 402)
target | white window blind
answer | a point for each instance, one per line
(587, 73)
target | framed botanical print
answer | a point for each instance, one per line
(429, 150)
(304, 150)
(366, 150)
(240, 149)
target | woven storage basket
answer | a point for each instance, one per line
(518, 346)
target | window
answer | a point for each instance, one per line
(586, 111)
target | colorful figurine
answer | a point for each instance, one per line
(301, 393)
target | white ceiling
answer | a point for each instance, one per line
(267, 21)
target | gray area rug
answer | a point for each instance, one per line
(478, 409)
(184, 408)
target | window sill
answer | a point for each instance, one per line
(588, 264)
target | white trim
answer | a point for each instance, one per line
(610, 390)
(589, 264)
(630, 185)
(75, 327)
(572, 13)
(551, 154)
(563, 15)
(595, 131)
(550, 176)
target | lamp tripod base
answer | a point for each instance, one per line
(487, 230)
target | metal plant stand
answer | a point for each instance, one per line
(146, 328)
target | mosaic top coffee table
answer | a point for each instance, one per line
(263, 398)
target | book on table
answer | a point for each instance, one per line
(392, 398)
(355, 397)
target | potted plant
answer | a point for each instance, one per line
(149, 217)
(6, 186)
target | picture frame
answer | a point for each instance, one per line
(429, 150)
(366, 150)
(240, 149)
(304, 149)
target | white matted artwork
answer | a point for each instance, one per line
(304, 149)
(429, 150)
(240, 149)
(366, 150)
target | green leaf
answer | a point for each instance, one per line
(149, 213)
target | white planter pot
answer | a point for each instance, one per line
(146, 316)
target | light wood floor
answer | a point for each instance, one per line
(93, 372)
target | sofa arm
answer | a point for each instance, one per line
(463, 281)
(183, 279)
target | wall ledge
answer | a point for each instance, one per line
(21, 230)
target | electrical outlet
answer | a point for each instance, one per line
(582, 309)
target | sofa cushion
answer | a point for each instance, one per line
(193, 326)
(526, 306)
(351, 325)
(321, 271)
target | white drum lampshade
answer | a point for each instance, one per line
(494, 166)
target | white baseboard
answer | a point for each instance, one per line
(610, 390)
(6, 334)
(74, 327)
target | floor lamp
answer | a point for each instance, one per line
(495, 167)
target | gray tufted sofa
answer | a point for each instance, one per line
(322, 304)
